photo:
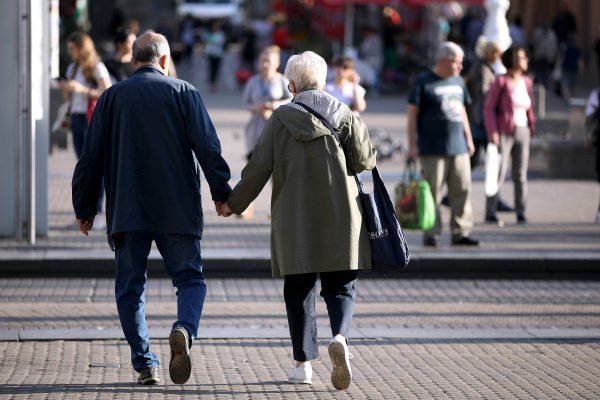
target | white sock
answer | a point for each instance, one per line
(302, 363)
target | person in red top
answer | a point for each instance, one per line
(282, 39)
(510, 124)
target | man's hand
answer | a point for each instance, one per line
(218, 205)
(413, 152)
(85, 225)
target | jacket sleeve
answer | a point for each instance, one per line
(530, 113)
(205, 143)
(492, 100)
(89, 170)
(357, 145)
(257, 172)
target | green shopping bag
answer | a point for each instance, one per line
(414, 203)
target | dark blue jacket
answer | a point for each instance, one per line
(141, 139)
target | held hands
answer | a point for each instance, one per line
(223, 209)
(85, 225)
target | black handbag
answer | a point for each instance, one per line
(389, 250)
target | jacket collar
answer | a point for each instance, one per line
(146, 69)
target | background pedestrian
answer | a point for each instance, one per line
(346, 84)
(510, 124)
(263, 93)
(214, 48)
(119, 65)
(439, 134)
(87, 78)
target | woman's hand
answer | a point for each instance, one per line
(496, 138)
(72, 86)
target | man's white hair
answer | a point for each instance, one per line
(307, 70)
(449, 50)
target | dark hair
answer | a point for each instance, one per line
(343, 61)
(508, 57)
(150, 54)
(121, 36)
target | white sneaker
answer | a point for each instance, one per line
(301, 374)
(341, 376)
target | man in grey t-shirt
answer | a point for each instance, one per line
(439, 134)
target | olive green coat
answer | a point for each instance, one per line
(316, 222)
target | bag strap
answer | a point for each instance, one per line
(327, 124)
(336, 135)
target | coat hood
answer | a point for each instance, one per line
(304, 126)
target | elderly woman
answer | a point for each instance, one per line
(510, 123)
(316, 225)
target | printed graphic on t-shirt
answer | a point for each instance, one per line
(451, 101)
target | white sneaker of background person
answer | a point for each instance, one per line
(341, 376)
(301, 373)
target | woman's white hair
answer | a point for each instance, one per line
(449, 50)
(307, 70)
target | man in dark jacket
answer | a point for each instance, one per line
(142, 139)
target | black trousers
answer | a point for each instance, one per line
(213, 69)
(338, 289)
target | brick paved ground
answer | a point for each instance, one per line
(255, 369)
(411, 339)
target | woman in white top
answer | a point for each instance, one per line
(345, 86)
(263, 93)
(87, 78)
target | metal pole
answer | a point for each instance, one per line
(348, 25)
(27, 130)
(31, 123)
(22, 126)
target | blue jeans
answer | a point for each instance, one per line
(79, 128)
(181, 255)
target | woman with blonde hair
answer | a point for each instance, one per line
(87, 78)
(263, 93)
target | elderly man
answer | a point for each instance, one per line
(439, 134)
(143, 137)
